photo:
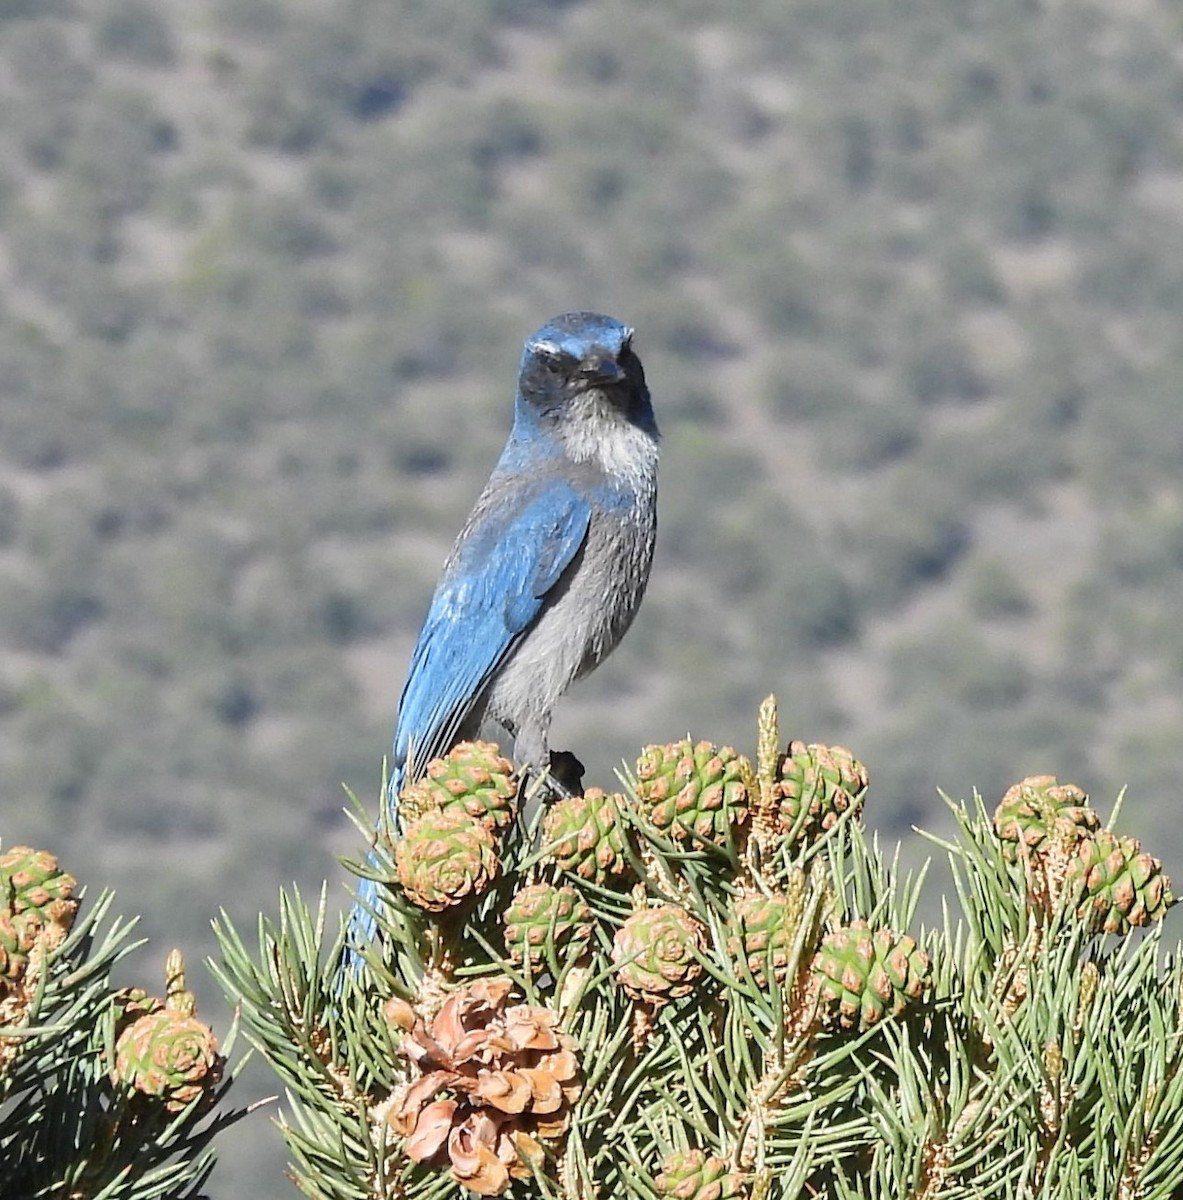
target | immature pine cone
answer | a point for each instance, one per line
(1124, 886)
(472, 778)
(766, 929)
(168, 1056)
(586, 836)
(657, 953)
(694, 790)
(37, 909)
(695, 1175)
(18, 935)
(817, 785)
(865, 975)
(494, 1082)
(162, 1051)
(131, 1003)
(1039, 813)
(443, 859)
(542, 913)
(32, 883)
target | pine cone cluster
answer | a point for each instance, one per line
(1068, 858)
(37, 910)
(694, 790)
(163, 1053)
(864, 975)
(732, 1002)
(472, 778)
(492, 1084)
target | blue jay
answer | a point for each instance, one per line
(549, 569)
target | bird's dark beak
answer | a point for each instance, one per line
(600, 369)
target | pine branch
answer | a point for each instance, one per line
(102, 1093)
(723, 954)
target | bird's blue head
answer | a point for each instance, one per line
(581, 366)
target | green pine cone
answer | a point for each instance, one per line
(695, 1175)
(472, 778)
(694, 789)
(766, 929)
(18, 935)
(657, 953)
(585, 835)
(32, 882)
(541, 912)
(168, 1056)
(1123, 885)
(132, 1003)
(865, 975)
(1039, 809)
(817, 785)
(444, 858)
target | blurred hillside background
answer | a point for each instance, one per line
(908, 284)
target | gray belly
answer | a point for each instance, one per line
(586, 615)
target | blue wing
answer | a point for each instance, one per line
(492, 591)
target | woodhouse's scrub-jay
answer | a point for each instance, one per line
(549, 569)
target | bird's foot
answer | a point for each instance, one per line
(566, 773)
(563, 779)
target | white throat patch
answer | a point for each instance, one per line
(595, 431)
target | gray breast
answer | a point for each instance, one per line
(586, 614)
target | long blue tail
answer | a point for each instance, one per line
(363, 921)
(363, 924)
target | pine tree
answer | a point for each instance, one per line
(104, 1093)
(713, 985)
